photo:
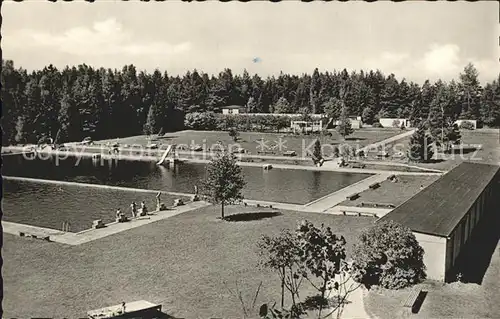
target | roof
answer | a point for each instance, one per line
(439, 208)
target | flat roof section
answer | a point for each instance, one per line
(437, 209)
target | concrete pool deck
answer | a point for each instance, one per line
(333, 199)
(89, 235)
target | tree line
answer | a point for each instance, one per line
(81, 101)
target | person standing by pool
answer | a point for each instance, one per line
(158, 201)
(144, 210)
(133, 206)
(118, 213)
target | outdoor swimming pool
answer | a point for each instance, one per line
(32, 203)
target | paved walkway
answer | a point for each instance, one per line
(355, 309)
(15, 229)
(337, 197)
(374, 146)
(389, 163)
(355, 306)
(94, 234)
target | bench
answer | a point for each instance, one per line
(413, 300)
(266, 152)
(357, 165)
(374, 185)
(376, 205)
(360, 214)
(353, 196)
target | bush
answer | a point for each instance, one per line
(377, 125)
(396, 123)
(466, 125)
(388, 255)
(239, 122)
(201, 121)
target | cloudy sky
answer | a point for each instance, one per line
(415, 40)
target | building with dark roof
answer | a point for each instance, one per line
(443, 215)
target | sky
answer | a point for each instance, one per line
(416, 40)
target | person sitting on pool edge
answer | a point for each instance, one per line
(144, 210)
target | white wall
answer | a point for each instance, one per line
(434, 255)
(355, 124)
(230, 111)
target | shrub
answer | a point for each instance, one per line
(200, 121)
(396, 123)
(388, 255)
(466, 125)
(377, 125)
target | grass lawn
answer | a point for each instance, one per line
(393, 193)
(489, 153)
(248, 140)
(480, 265)
(455, 300)
(181, 263)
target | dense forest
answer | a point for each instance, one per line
(82, 101)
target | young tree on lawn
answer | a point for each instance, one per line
(316, 154)
(344, 128)
(233, 133)
(452, 134)
(224, 181)
(388, 255)
(420, 148)
(282, 254)
(324, 257)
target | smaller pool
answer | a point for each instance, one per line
(49, 206)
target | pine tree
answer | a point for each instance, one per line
(13, 84)
(420, 148)
(333, 108)
(21, 136)
(301, 99)
(470, 93)
(314, 92)
(282, 106)
(490, 104)
(251, 105)
(153, 121)
(69, 118)
(390, 101)
(426, 97)
(344, 127)
(436, 119)
(452, 134)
